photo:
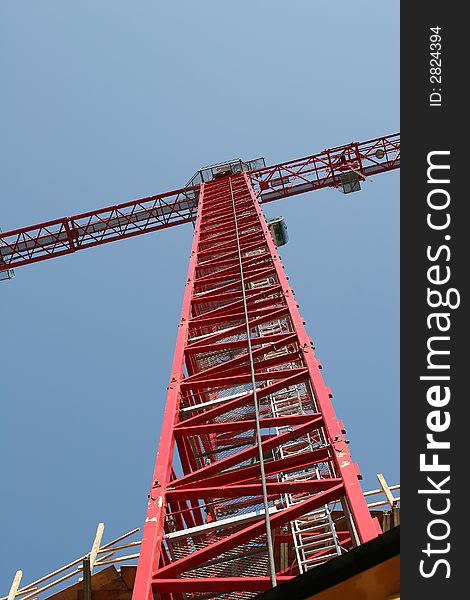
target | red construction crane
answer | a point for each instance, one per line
(253, 463)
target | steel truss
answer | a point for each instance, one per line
(70, 234)
(205, 531)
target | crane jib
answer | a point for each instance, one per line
(343, 167)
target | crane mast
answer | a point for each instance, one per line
(249, 434)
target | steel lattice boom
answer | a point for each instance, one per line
(329, 168)
(205, 534)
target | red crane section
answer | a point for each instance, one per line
(343, 167)
(251, 454)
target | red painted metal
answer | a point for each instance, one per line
(70, 234)
(325, 168)
(205, 533)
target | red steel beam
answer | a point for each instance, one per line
(325, 168)
(152, 537)
(70, 234)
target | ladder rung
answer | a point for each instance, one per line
(323, 558)
(317, 536)
(313, 519)
(312, 544)
(320, 549)
(310, 527)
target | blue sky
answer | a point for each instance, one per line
(103, 102)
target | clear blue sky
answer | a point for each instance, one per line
(108, 101)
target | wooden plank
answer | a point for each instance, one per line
(96, 545)
(49, 585)
(114, 549)
(380, 491)
(122, 537)
(33, 586)
(118, 559)
(386, 490)
(15, 585)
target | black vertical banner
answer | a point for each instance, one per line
(435, 257)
